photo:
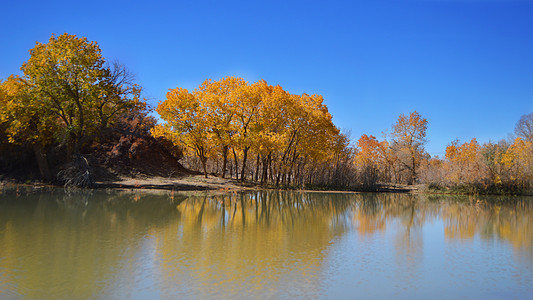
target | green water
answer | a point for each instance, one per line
(123, 245)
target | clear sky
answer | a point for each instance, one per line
(465, 65)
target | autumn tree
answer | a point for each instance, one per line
(372, 159)
(308, 124)
(27, 121)
(288, 135)
(187, 123)
(222, 100)
(408, 140)
(247, 105)
(492, 156)
(67, 96)
(71, 79)
(270, 127)
(371, 151)
(518, 161)
(465, 162)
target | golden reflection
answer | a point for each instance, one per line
(463, 217)
(87, 245)
(72, 245)
(252, 238)
(505, 220)
(372, 212)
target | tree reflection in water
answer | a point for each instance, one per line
(266, 237)
(74, 245)
(267, 243)
(489, 217)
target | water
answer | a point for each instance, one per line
(120, 245)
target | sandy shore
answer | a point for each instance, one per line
(200, 183)
(212, 183)
(186, 183)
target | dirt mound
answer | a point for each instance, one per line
(134, 156)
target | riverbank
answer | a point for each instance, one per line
(183, 183)
(200, 183)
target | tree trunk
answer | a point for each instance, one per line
(269, 168)
(264, 169)
(413, 170)
(257, 168)
(278, 175)
(236, 165)
(244, 157)
(225, 160)
(42, 161)
(204, 165)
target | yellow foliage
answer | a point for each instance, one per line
(518, 160)
(259, 117)
(408, 139)
(464, 162)
(66, 94)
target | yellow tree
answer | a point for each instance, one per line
(519, 161)
(247, 105)
(270, 125)
(305, 124)
(283, 130)
(26, 120)
(464, 162)
(220, 99)
(186, 123)
(371, 157)
(70, 79)
(293, 115)
(371, 151)
(408, 140)
(317, 128)
(390, 168)
(67, 95)
(492, 154)
(297, 112)
(66, 76)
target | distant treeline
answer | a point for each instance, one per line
(70, 101)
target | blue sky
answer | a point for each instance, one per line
(465, 65)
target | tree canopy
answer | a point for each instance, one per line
(408, 140)
(281, 129)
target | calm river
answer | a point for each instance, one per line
(121, 245)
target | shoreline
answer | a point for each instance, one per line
(198, 183)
